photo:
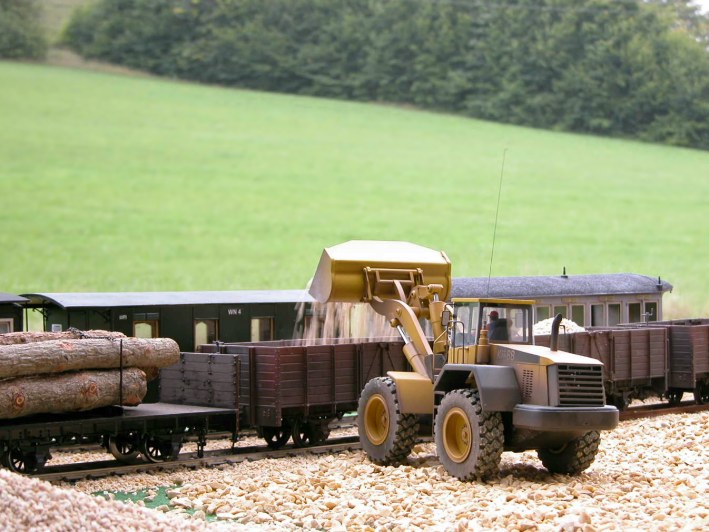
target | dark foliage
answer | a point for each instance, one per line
(608, 67)
(21, 34)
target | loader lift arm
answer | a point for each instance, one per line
(392, 279)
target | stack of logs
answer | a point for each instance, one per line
(75, 371)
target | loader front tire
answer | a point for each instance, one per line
(386, 435)
(469, 441)
(573, 457)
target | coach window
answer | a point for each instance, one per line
(261, 329)
(578, 314)
(5, 326)
(597, 316)
(205, 332)
(145, 329)
(560, 309)
(613, 313)
(543, 313)
(634, 312)
(651, 310)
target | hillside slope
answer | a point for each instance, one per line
(120, 183)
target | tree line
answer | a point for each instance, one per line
(621, 68)
(21, 33)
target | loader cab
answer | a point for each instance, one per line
(505, 321)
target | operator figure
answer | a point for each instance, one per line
(496, 329)
(493, 321)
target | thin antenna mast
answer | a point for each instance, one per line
(497, 212)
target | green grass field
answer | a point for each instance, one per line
(118, 183)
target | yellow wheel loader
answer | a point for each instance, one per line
(480, 377)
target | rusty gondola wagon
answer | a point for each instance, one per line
(283, 389)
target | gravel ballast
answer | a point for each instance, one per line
(650, 474)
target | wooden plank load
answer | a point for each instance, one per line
(70, 392)
(56, 356)
(26, 337)
(43, 374)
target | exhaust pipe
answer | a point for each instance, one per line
(553, 343)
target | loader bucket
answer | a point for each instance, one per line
(340, 274)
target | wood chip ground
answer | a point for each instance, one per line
(649, 475)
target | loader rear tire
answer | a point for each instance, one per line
(573, 457)
(469, 441)
(386, 435)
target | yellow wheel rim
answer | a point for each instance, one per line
(457, 435)
(376, 419)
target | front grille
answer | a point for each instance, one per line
(580, 385)
(527, 384)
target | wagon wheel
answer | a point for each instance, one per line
(20, 461)
(621, 402)
(675, 396)
(276, 437)
(303, 434)
(701, 393)
(124, 448)
(159, 450)
(321, 432)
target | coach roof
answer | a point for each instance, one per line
(558, 286)
(139, 299)
(500, 287)
(11, 298)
